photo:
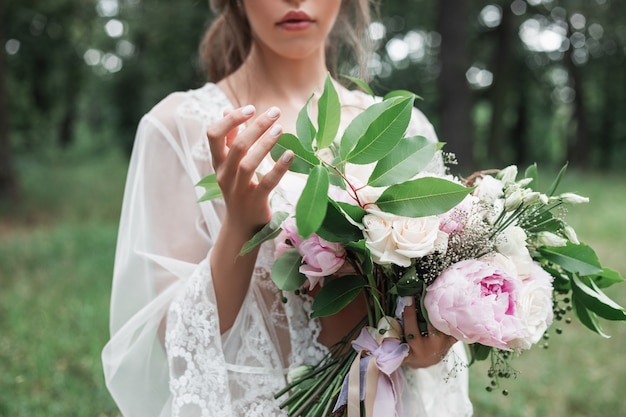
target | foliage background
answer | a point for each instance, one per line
(504, 81)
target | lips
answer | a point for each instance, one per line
(295, 20)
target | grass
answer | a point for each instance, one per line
(56, 261)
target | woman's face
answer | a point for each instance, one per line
(293, 29)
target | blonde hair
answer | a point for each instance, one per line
(227, 41)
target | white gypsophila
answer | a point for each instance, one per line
(512, 243)
(489, 189)
(534, 307)
(551, 239)
(397, 239)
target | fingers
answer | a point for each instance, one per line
(223, 132)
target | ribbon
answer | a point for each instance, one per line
(380, 355)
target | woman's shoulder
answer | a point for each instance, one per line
(204, 105)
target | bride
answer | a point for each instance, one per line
(197, 330)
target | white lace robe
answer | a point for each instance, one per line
(166, 356)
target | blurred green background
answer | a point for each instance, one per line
(503, 82)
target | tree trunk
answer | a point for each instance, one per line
(455, 105)
(8, 181)
(579, 149)
(498, 142)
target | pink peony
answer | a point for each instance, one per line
(475, 301)
(321, 258)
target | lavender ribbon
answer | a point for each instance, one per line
(380, 356)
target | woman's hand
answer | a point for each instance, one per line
(236, 157)
(425, 350)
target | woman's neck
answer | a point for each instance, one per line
(267, 79)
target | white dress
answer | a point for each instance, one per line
(166, 356)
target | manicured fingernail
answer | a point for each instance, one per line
(275, 130)
(287, 156)
(273, 112)
(247, 110)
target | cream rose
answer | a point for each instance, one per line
(397, 239)
(534, 307)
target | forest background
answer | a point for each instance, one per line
(515, 81)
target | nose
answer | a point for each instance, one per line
(295, 2)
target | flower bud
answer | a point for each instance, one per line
(571, 234)
(551, 239)
(571, 198)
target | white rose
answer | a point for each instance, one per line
(512, 244)
(534, 307)
(489, 189)
(397, 239)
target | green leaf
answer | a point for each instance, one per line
(356, 213)
(557, 181)
(304, 127)
(359, 126)
(407, 159)
(479, 352)
(409, 283)
(588, 318)
(303, 159)
(607, 277)
(359, 249)
(285, 271)
(336, 294)
(532, 172)
(361, 84)
(596, 301)
(336, 227)
(311, 207)
(578, 259)
(401, 93)
(383, 133)
(328, 116)
(268, 232)
(212, 189)
(421, 197)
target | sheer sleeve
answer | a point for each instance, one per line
(164, 240)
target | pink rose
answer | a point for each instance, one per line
(475, 301)
(320, 257)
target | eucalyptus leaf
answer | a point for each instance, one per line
(268, 232)
(383, 133)
(304, 127)
(285, 271)
(358, 127)
(578, 259)
(406, 160)
(328, 116)
(422, 197)
(311, 207)
(336, 294)
(303, 159)
(361, 84)
(212, 189)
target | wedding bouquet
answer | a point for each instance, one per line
(488, 259)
